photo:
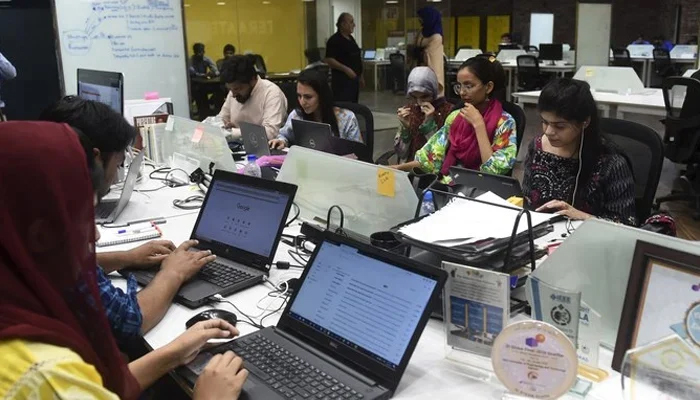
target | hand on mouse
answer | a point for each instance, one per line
(186, 346)
(184, 263)
(222, 378)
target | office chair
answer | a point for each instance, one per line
(696, 75)
(260, 67)
(365, 119)
(290, 92)
(397, 69)
(682, 138)
(644, 150)
(529, 76)
(532, 49)
(663, 67)
(621, 58)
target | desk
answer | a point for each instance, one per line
(647, 63)
(279, 77)
(375, 64)
(650, 102)
(428, 375)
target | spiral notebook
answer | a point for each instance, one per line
(117, 236)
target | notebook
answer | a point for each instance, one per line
(133, 233)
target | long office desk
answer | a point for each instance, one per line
(428, 375)
(650, 102)
(375, 64)
(648, 63)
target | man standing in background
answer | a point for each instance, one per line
(7, 72)
(343, 55)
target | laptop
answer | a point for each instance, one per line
(347, 332)
(255, 141)
(477, 183)
(370, 55)
(241, 222)
(318, 136)
(107, 211)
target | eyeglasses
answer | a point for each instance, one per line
(466, 87)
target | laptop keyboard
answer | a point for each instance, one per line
(288, 374)
(103, 211)
(222, 275)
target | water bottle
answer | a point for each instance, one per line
(427, 207)
(252, 168)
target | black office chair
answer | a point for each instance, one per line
(663, 67)
(621, 58)
(397, 70)
(696, 75)
(529, 76)
(532, 49)
(644, 151)
(260, 67)
(682, 138)
(290, 92)
(365, 119)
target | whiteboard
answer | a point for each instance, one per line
(593, 34)
(143, 39)
(541, 29)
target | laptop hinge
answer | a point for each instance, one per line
(325, 357)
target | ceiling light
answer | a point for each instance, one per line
(187, 5)
(392, 1)
(221, 3)
(267, 2)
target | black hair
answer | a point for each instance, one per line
(239, 68)
(488, 70)
(319, 83)
(507, 35)
(197, 47)
(97, 172)
(572, 100)
(230, 47)
(313, 55)
(341, 17)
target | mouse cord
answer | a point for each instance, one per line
(220, 299)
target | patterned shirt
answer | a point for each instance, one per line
(504, 147)
(409, 139)
(7, 72)
(123, 310)
(347, 125)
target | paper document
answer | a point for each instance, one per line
(463, 222)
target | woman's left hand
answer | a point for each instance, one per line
(565, 209)
(472, 115)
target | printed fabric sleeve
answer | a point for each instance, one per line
(617, 183)
(286, 131)
(348, 126)
(402, 139)
(505, 148)
(7, 70)
(122, 309)
(432, 154)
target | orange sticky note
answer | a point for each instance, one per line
(198, 132)
(386, 182)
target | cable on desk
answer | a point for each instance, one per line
(168, 181)
(284, 303)
(184, 204)
(328, 217)
(220, 299)
(296, 215)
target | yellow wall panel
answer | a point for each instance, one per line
(496, 25)
(448, 36)
(468, 32)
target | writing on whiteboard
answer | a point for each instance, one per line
(126, 26)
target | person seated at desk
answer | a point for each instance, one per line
(640, 40)
(423, 116)
(316, 104)
(571, 168)
(251, 99)
(481, 135)
(108, 134)
(55, 341)
(229, 51)
(202, 66)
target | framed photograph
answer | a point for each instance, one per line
(662, 300)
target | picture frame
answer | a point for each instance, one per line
(663, 287)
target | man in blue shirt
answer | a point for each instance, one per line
(7, 72)
(132, 313)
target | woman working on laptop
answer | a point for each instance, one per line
(316, 104)
(53, 330)
(480, 136)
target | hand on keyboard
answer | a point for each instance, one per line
(150, 254)
(184, 263)
(222, 378)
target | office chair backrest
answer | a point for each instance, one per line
(290, 92)
(644, 150)
(366, 121)
(260, 67)
(527, 61)
(682, 136)
(530, 49)
(621, 57)
(696, 75)
(397, 59)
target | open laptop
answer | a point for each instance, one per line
(107, 211)
(478, 183)
(370, 54)
(255, 141)
(318, 136)
(348, 332)
(241, 222)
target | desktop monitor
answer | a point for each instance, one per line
(102, 86)
(551, 52)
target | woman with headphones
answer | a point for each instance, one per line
(571, 169)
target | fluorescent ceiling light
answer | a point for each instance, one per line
(187, 5)
(392, 1)
(267, 2)
(221, 3)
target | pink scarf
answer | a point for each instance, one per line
(463, 147)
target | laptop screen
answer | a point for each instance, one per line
(242, 216)
(369, 305)
(101, 86)
(370, 54)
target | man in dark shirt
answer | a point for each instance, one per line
(343, 55)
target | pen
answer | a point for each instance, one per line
(150, 228)
(157, 221)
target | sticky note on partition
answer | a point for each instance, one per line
(386, 182)
(590, 72)
(198, 132)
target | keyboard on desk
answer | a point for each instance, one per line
(222, 275)
(288, 374)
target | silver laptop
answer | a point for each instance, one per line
(255, 141)
(108, 210)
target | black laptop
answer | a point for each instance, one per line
(255, 141)
(477, 183)
(318, 136)
(348, 332)
(241, 222)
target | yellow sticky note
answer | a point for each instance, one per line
(386, 182)
(590, 72)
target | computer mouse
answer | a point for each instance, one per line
(213, 314)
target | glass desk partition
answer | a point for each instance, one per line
(620, 80)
